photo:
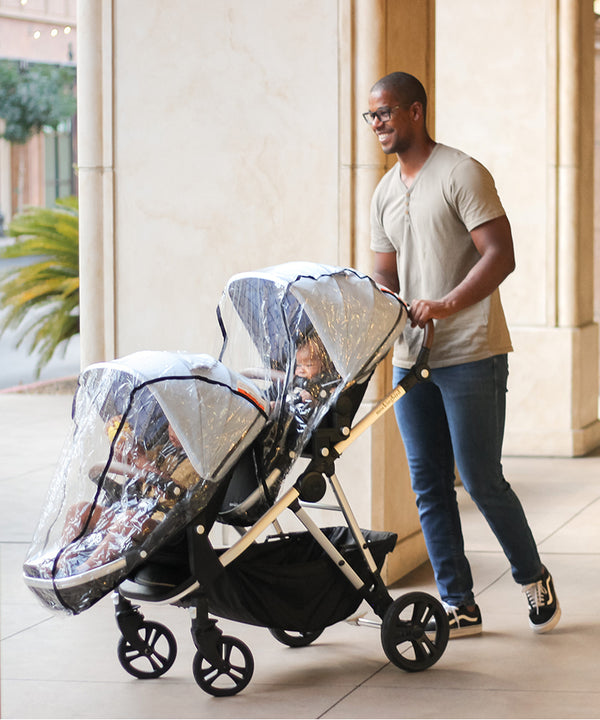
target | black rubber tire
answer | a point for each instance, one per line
(407, 640)
(158, 653)
(233, 674)
(295, 639)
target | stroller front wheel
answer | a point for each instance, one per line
(152, 653)
(415, 631)
(230, 673)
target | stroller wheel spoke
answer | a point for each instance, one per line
(236, 672)
(423, 649)
(157, 660)
(422, 613)
(226, 654)
(152, 636)
(209, 674)
(414, 632)
(428, 643)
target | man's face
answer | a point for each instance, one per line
(396, 134)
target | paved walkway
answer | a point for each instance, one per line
(67, 667)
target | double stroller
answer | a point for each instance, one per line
(169, 453)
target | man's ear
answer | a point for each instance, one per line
(416, 110)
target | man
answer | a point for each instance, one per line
(443, 242)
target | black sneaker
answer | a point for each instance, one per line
(462, 622)
(544, 609)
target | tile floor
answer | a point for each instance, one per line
(66, 667)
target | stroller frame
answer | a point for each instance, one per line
(414, 627)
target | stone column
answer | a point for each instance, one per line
(94, 108)
(377, 37)
(553, 403)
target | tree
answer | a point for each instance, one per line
(41, 297)
(33, 95)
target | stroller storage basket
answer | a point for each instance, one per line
(289, 583)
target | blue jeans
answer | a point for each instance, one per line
(459, 415)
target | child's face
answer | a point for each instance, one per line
(308, 362)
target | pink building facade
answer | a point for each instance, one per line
(44, 168)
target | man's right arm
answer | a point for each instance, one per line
(385, 270)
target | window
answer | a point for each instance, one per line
(59, 160)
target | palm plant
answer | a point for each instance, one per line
(41, 295)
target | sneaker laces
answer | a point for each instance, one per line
(451, 610)
(536, 593)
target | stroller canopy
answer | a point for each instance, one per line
(356, 319)
(154, 435)
(214, 412)
(267, 315)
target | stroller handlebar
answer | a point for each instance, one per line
(426, 345)
(428, 333)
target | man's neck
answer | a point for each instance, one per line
(412, 160)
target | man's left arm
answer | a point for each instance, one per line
(493, 240)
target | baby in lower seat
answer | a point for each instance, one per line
(157, 477)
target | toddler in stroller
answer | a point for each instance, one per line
(161, 473)
(242, 437)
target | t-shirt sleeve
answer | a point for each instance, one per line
(474, 194)
(380, 242)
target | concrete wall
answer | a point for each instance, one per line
(226, 155)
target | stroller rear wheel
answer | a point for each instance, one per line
(152, 654)
(295, 639)
(230, 673)
(415, 631)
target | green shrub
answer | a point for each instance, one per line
(41, 296)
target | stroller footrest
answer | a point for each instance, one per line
(158, 584)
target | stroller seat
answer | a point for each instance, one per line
(166, 577)
(249, 494)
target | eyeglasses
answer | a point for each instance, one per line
(383, 114)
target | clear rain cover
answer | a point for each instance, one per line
(153, 435)
(305, 333)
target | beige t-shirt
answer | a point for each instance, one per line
(428, 226)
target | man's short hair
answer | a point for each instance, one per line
(405, 87)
